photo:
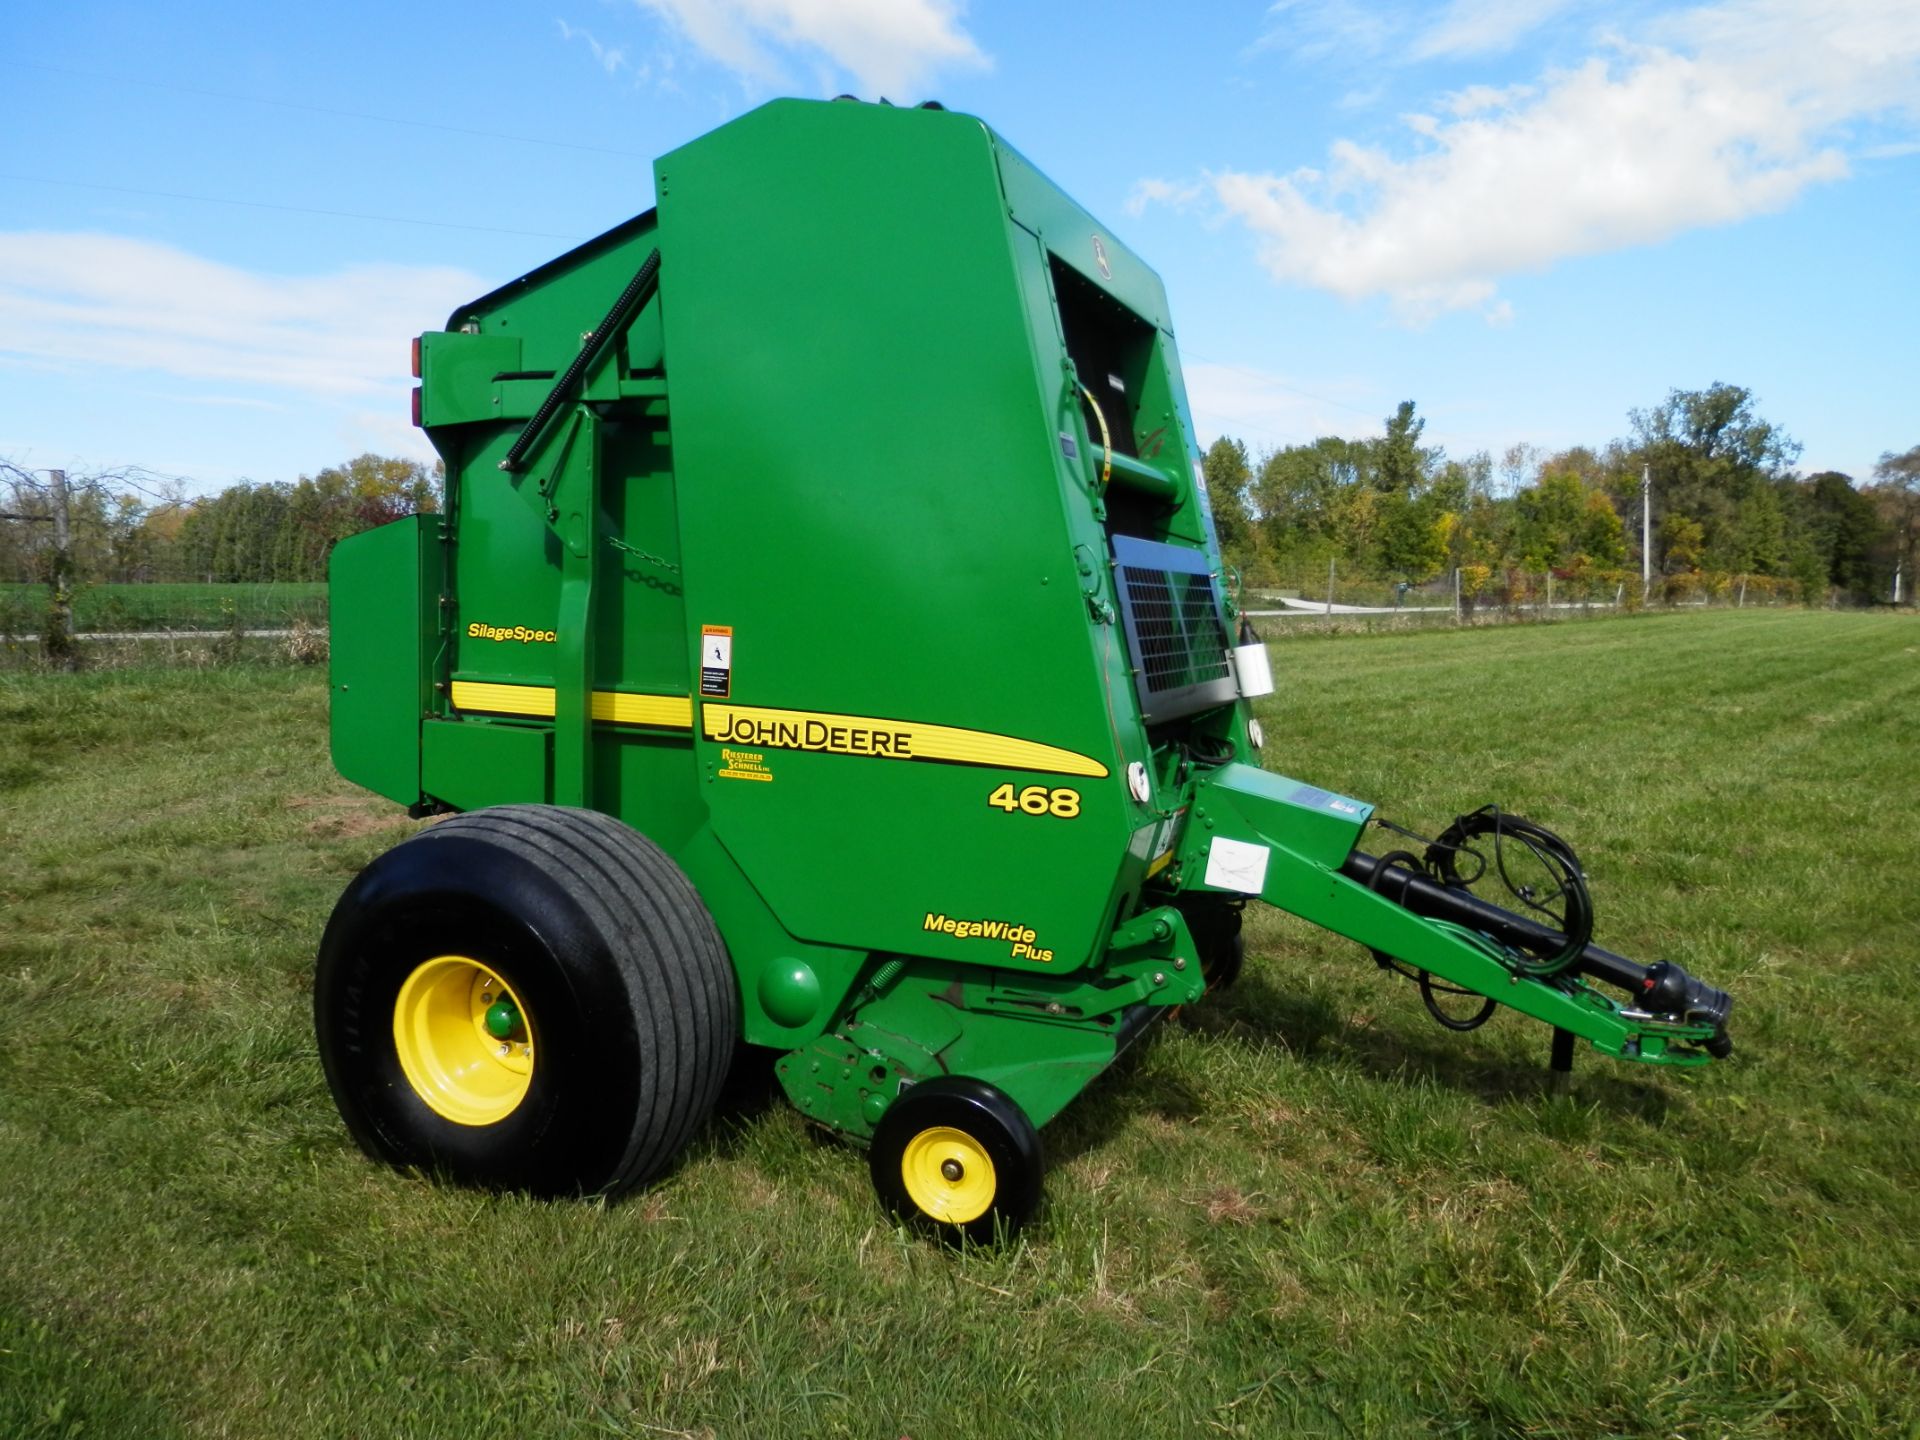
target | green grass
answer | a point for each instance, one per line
(167, 605)
(1299, 1209)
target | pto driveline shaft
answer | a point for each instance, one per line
(1664, 988)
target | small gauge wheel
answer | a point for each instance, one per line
(1215, 928)
(957, 1159)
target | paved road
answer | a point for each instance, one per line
(1319, 607)
(1304, 608)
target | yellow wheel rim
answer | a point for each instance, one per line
(463, 1070)
(948, 1174)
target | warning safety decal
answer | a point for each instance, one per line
(716, 661)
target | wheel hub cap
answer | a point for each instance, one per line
(463, 1040)
(949, 1175)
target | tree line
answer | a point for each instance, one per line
(1725, 499)
(1726, 505)
(127, 526)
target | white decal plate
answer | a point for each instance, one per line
(1236, 865)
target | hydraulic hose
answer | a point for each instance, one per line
(1663, 989)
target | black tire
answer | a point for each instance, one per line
(631, 1005)
(1215, 927)
(994, 1125)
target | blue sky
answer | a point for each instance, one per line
(1527, 216)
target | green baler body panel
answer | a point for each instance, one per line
(378, 661)
(814, 579)
(865, 444)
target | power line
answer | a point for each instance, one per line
(1266, 379)
(328, 110)
(289, 209)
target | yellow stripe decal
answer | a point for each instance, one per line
(887, 739)
(791, 729)
(619, 707)
(503, 699)
(674, 712)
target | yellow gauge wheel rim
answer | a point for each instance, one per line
(948, 1174)
(462, 1069)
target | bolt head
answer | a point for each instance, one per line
(952, 1170)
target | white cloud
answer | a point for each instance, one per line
(1476, 98)
(609, 58)
(1839, 60)
(1350, 30)
(1735, 114)
(1319, 29)
(114, 303)
(888, 47)
(1163, 192)
(1485, 27)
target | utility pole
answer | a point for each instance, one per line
(1330, 567)
(59, 639)
(1646, 531)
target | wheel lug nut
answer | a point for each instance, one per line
(952, 1170)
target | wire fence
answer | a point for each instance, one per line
(207, 622)
(1474, 595)
(173, 623)
(167, 607)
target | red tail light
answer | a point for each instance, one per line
(416, 406)
(416, 357)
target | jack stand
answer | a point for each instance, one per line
(1560, 1067)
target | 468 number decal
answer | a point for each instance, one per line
(1062, 804)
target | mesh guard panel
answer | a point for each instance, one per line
(1175, 631)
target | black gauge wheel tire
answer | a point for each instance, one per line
(927, 1154)
(1216, 933)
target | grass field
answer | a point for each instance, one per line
(1301, 1208)
(169, 606)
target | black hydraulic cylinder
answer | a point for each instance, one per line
(1663, 989)
(629, 303)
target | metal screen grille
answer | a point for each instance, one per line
(1180, 641)
(1174, 628)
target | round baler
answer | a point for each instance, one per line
(824, 645)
